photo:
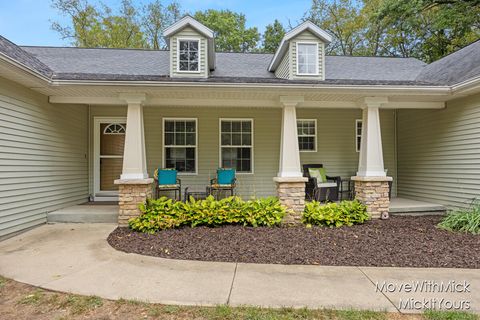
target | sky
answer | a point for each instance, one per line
(27, 22)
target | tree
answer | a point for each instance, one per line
(130, 27)
(342, 19)
(429, 29)
(85, 29)
(156, 17)
(425, 29)
(231, 34)
(272, 36)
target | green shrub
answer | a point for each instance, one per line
(463, 220)
(165, 213)
(345, 213)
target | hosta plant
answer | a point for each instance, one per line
(165, 213)
(345, 213)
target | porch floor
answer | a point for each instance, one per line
(404, 206)
(98, 212)
(85, 213)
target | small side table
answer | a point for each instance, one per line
(197, 195)
(346, 189)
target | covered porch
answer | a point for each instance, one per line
(275, 158)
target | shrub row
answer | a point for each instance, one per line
(165, 213)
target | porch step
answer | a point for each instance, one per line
(85, 214)
(408, 207)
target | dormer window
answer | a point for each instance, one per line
(307, 58)
(188, 55)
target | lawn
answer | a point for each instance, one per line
(20, 301)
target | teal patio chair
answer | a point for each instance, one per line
(166, 180)
(225, 181)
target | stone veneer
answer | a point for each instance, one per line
(131, 193)
(373, 192)
(291, 193)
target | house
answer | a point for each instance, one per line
(79, 124)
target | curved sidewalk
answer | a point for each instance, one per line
(76, 258)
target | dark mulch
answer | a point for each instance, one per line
(397, 242)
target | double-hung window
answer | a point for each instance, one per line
(307, 58)
(358, 134)
(188, 55)
(180, 144)
(236, 144)
(307, 134)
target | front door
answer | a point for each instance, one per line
(110, 142)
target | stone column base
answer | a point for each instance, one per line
(131, 193)
(291, 193)
(373, 192)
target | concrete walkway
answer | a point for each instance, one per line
(76, 258)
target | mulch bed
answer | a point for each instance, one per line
(397, 242)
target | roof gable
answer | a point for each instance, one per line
(185, 22)
(305, 26)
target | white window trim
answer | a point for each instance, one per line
(114, 133)
(252, 144)
(317, 72)
(199, 55)
(315, 122)
(357, 121)
(164, 158)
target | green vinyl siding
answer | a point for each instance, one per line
(43, 157)
(439, 153)
(189, 33)
(336, 140)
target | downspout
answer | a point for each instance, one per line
(89, 157)
(395, 149)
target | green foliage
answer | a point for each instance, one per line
(131, 26)
(273, 36)
(231, 34)
(449, 315)
(425, 29)
(166, 213)
(345, 213)
(463, 220)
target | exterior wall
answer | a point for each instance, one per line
(439, 153)
(43, 151)
(306, 37)
(335, 148)
(283, 70)
(189, 33)
(336, 144)
(266, 145)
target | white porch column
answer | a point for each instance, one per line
(371, 182)
(290, 181)
(289, 151)
(134, 156)
(134, 186)
(370, 163)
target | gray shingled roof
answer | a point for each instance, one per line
(13, 51)
(457, 67)
(131, 64)
(124, 64)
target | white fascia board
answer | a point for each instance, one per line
(23, 67)
(188, 21)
